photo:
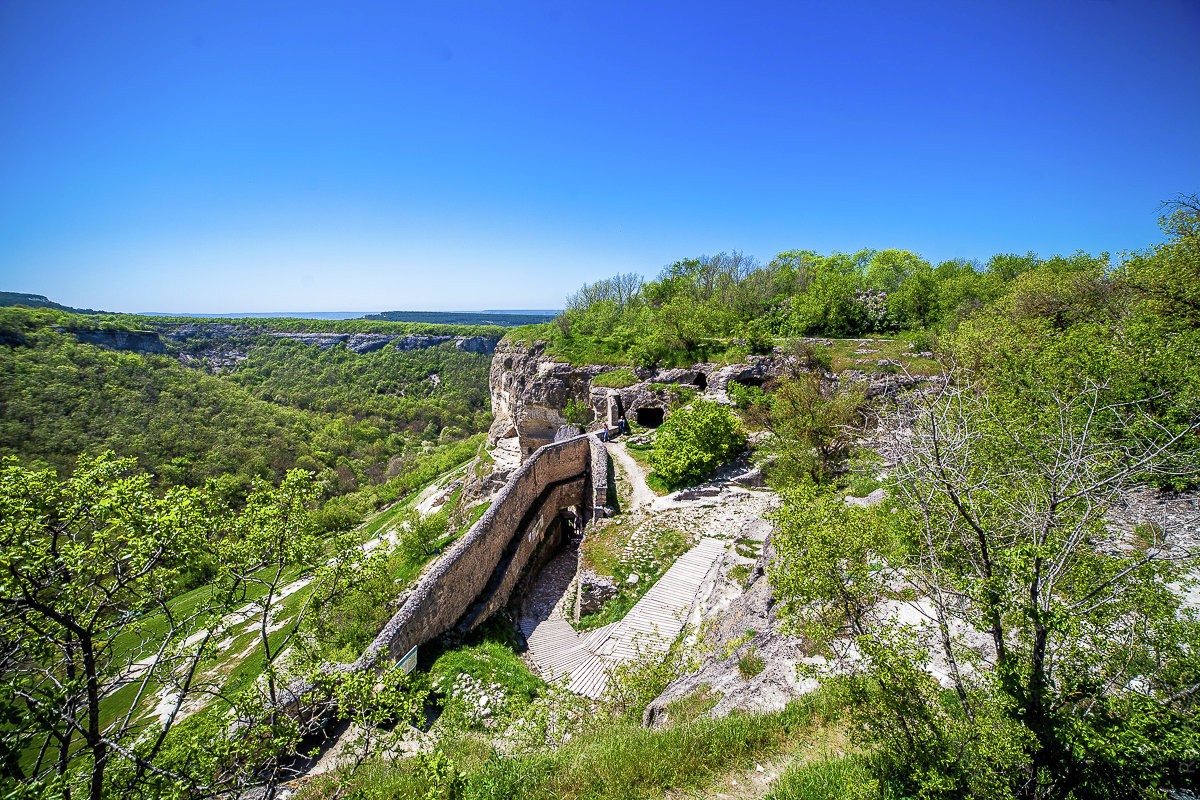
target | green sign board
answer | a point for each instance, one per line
(409, 662)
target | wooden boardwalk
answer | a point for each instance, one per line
(583, 661)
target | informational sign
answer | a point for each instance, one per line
(409, 662)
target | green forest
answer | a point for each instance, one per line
(724, 306)
(356, 421)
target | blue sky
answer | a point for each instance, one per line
(245, 156)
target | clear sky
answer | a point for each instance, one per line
(243, 156)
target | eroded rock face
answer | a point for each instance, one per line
(597, 590)
(743, 626)
(370, 342)
(142, 342)
(530, 391)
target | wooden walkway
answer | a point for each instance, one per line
(583, 662)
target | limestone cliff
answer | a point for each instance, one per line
(530, 391)
(142, 342)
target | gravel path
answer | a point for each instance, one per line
(642, 495)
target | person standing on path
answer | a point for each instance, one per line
(623, 426)
(606, 432)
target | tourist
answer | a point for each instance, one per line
(605, 432)
(623, 425)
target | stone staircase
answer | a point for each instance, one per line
(584, 661)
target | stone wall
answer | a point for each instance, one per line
(477, 575)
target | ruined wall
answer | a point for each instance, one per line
(479, 572)
(452, 586)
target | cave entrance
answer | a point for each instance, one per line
(701, 381)
(649, 417)
(748, 382)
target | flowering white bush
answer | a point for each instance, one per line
(875, 308)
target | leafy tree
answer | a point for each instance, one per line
(811, 423)
(1083, 674)
(269, 550)
(1168, 278)
(694, 440)
(91, 637)
(888, 269)
(86, 570)
(914, 303)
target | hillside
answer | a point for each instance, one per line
(39, 301)
(194, 403)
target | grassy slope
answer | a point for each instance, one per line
(610, 758)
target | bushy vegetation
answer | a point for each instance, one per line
(616, 379)
(694, 440)
(606, 759)
(723, 307)
(1076, 381)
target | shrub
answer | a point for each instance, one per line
(577, 412)
(744, 396)
(694, 440)
(420, 534)
(810, 357)
(751, 663)
(758, 338)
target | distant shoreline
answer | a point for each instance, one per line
(338, 315)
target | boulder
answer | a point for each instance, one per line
(597, 590)
(567, 432)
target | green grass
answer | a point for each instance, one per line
(492, 663)
(750, 664)
(528, 334)
(386, 518)
(616, 379)
(694, 705)
(829, 777)
(900, 349)
(748, 547)
(665, 547)
(607, 760)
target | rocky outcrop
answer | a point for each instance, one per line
(595, 591)
(370, 342)
(221, 345)
(741, 623)
(885, 384)
(141, 342)
(530, 391)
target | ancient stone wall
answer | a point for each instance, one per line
(476, 576)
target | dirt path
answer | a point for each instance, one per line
(642, 495)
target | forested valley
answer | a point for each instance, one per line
(355, 421)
